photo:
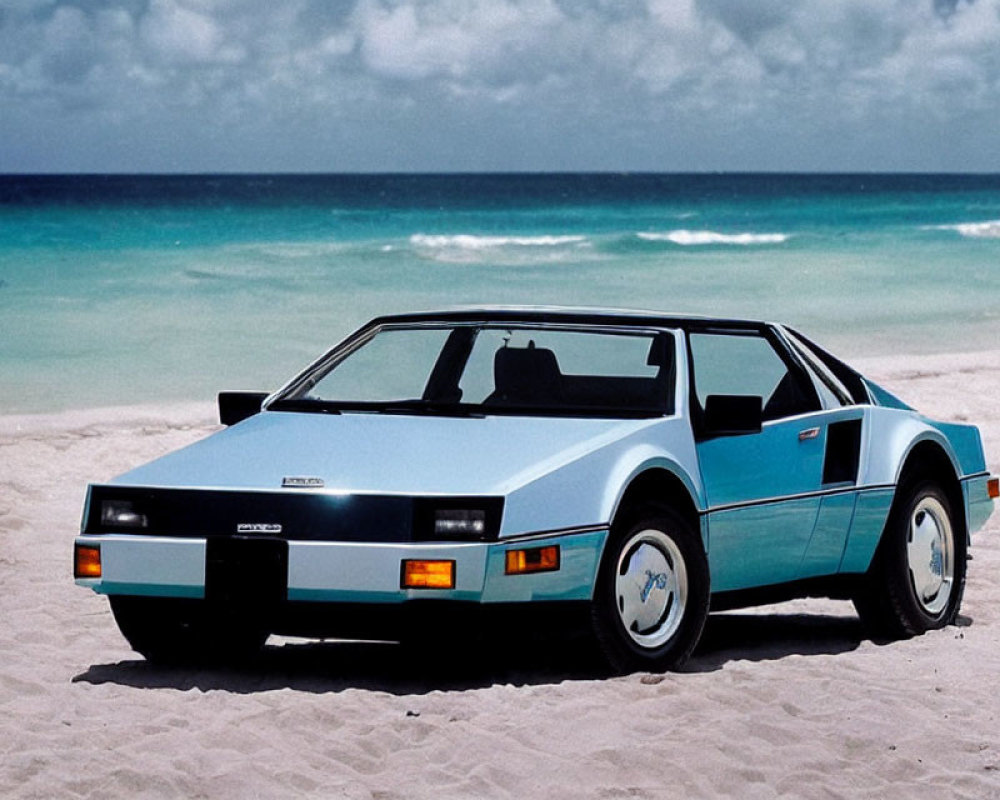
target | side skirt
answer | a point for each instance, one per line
(836, 587)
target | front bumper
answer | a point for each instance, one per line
(350, 572)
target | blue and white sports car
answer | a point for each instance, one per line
(622, 471)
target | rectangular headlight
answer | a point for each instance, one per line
(122, 514)
(460, 523)
(474, 518)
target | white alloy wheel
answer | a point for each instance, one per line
(651, 588)
(930, 555)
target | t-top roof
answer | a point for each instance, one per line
(566, 315)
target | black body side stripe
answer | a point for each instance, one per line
(524, 537)
(803, 496)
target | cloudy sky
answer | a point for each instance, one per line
(373, 85)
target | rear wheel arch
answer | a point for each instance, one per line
(928, 460)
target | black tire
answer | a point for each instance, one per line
(182, 631)
(652, 594)
(917, 577)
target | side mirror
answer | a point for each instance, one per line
(733, 414)
(237, 406)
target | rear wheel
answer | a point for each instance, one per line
(651, 598)
(917, 578)
(182, 631)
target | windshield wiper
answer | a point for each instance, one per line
(427, 408)
(307, 405)
(413, 407)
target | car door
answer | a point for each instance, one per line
(762, 481)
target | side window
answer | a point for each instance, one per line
(747, 364)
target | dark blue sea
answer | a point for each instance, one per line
(146, 289)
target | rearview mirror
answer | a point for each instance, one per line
(733, 414)
(237, 406)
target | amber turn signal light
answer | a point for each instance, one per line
(423, 574)
(993, 488)
(534, 559)
(87, 561)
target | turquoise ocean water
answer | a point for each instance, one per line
(118, 289)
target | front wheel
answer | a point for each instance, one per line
(183, 631)
(652, 593)
(917, 578)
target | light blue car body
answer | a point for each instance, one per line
(765, 516)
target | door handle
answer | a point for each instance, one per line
(808, 433)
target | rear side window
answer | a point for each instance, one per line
(840, 379)
(747, 364)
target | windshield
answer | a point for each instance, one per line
(493, 369)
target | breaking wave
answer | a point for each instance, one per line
(975, 230)
(686, 237)
(471, 242)
(510, 250)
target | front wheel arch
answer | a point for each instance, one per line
(656, 487)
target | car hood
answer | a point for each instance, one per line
(377, 453)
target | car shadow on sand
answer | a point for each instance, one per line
(769, 637)
(329, 666)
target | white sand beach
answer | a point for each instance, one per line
(786, 701)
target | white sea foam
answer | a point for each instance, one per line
(975, 230)
(686, 237)
(507, 250)
(472, 242)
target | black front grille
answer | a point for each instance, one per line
(246, 572)
(300, 515)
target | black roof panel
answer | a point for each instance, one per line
(566, 314)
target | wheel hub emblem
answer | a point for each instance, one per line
(657, 579)
(937, 560)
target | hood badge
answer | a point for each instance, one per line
(296, 482)
(258, 527)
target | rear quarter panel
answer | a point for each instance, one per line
(892, 434)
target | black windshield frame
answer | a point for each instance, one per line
(442, 397)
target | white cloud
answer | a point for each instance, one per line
(477, 40)
(180, 34)
(69, 47)
(702, 73)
